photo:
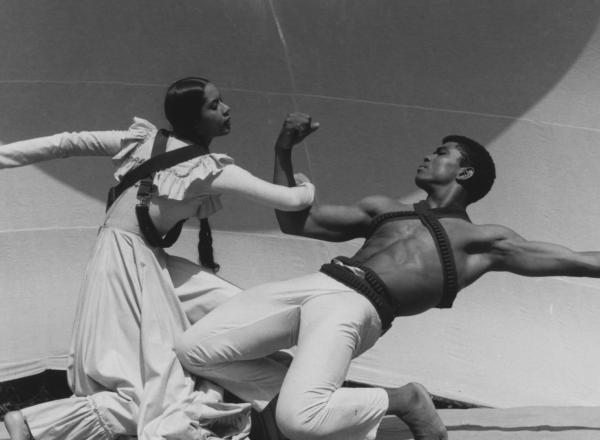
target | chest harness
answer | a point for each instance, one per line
(362, 279)
(144, 173)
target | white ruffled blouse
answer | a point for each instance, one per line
(129, 148)
(184, 181)
(195, 180)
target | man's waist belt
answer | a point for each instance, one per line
(366, 282)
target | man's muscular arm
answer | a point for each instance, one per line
(327, 222)
(331, 222)
(511, 252)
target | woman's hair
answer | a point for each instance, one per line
(183, 105)
(183, 108)
(475, 155)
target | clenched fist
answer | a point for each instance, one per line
(296, 127)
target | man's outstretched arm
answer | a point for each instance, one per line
(327, 222)
(511, 252)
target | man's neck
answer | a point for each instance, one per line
(447, 198)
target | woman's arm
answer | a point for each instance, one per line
(235, 180)
(327, 222)
(85, 143)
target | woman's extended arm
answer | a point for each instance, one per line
(85, 143)
(235, 180)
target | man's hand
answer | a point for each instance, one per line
(296, 127)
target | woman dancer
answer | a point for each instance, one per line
(135, 298)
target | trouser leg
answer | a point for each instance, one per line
(230, 344)
(331, 326)
(333, 330)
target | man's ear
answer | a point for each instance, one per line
(465, 173)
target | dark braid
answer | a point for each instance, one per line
(205, 249)
(183, 105)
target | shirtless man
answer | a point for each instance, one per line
(413, 259)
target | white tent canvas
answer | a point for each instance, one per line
(387, 80)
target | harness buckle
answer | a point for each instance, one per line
(145, 192)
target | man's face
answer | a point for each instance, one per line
(440, 167)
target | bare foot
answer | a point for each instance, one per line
(413, 404)
(17, 426)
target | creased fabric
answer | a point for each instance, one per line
(135, 300)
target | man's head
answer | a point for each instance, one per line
(476, 156)
(462, 160)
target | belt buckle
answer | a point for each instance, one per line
(355, 270)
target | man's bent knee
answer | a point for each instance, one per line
(297, 430)
(295, 423)
(190, 353)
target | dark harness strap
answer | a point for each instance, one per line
(430, 219)
(371, 286)
(144, 173)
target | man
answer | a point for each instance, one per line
(413, 259)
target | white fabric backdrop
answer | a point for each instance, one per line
(387, 80)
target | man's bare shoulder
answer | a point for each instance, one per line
(488, 233)
(379, 204)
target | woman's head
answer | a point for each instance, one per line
(195, 109)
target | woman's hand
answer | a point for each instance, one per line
(301, 178)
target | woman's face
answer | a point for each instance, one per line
(215, 118)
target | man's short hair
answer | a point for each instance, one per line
(475, 155)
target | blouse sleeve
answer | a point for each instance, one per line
(63, 145)
(137, 133)
(214, 174)
(236, 180)
(192, 178)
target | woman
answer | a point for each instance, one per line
(123, 371)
